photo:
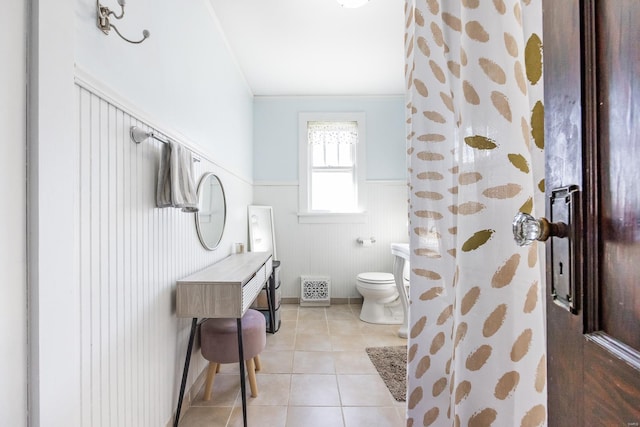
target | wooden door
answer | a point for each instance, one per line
(592, 139)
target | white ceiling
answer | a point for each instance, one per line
(316, 47)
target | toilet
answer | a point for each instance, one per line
(385, 300)
(381, 303)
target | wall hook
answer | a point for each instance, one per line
(105, 25)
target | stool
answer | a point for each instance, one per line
(219, 344)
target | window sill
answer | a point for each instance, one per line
(332, 217)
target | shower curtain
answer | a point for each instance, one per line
(475, 135)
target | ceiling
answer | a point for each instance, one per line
(316, 47)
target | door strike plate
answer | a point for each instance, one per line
(563, 208)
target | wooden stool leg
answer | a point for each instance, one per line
(256, 360)
(218, 368)
(251, 368)
(211, 372)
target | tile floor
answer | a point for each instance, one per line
(315, 372)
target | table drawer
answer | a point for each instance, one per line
(252, 287)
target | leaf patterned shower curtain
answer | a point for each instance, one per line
(475, 134)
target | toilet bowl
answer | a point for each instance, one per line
(380, 295)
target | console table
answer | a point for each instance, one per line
(225, 289)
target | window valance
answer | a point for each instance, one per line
(333, 132)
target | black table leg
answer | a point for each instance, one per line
(185, 371)
(242, 380)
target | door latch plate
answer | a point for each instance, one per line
(563, 208)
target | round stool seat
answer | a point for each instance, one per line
(219, 337)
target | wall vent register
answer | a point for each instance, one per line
(315, 291)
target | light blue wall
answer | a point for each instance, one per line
(183, 76)
(276, 134)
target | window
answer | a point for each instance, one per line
(331, 167)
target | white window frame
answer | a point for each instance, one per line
(305, 214)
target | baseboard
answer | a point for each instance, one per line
(190, 395)
(334, 301)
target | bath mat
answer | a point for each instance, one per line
(391, 363)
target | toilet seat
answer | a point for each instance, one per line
(376, 278)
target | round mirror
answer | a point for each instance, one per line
(212, 211)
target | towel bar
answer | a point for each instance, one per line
(140, 135)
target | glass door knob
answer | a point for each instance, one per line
(526, 229)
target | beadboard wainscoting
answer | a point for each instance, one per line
(130, 256)
(332, 249)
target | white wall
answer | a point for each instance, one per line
(331, 249)
(106, 346)
(183, 75)
(13, 283)
(130, 255)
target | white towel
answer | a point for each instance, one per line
(176, 186)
